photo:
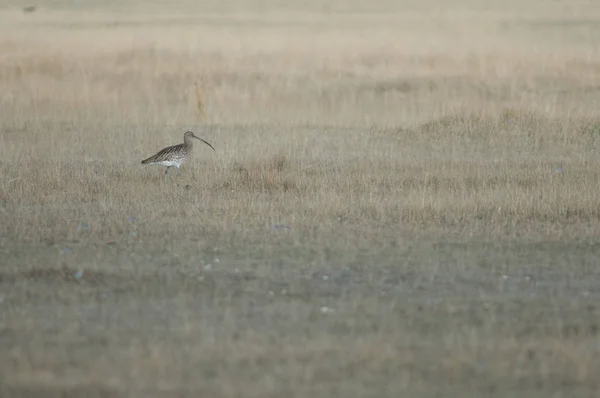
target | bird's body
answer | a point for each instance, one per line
(176, 155)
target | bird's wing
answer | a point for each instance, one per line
(164, 154)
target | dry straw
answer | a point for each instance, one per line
(199, 101)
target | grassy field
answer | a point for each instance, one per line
(404, 199)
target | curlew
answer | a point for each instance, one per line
(175, 155)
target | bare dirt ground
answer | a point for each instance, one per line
(403, 201)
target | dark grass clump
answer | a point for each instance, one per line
(273, 174)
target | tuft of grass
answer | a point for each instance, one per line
(271, 175)
(199, 101)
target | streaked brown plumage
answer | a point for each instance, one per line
(175, 155)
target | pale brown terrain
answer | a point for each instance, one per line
(404, 200)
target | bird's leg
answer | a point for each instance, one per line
(178, 171)
(167, 170)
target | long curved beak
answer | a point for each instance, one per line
(206, 142)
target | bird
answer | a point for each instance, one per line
(175, 155)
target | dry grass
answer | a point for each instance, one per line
(404, 199)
